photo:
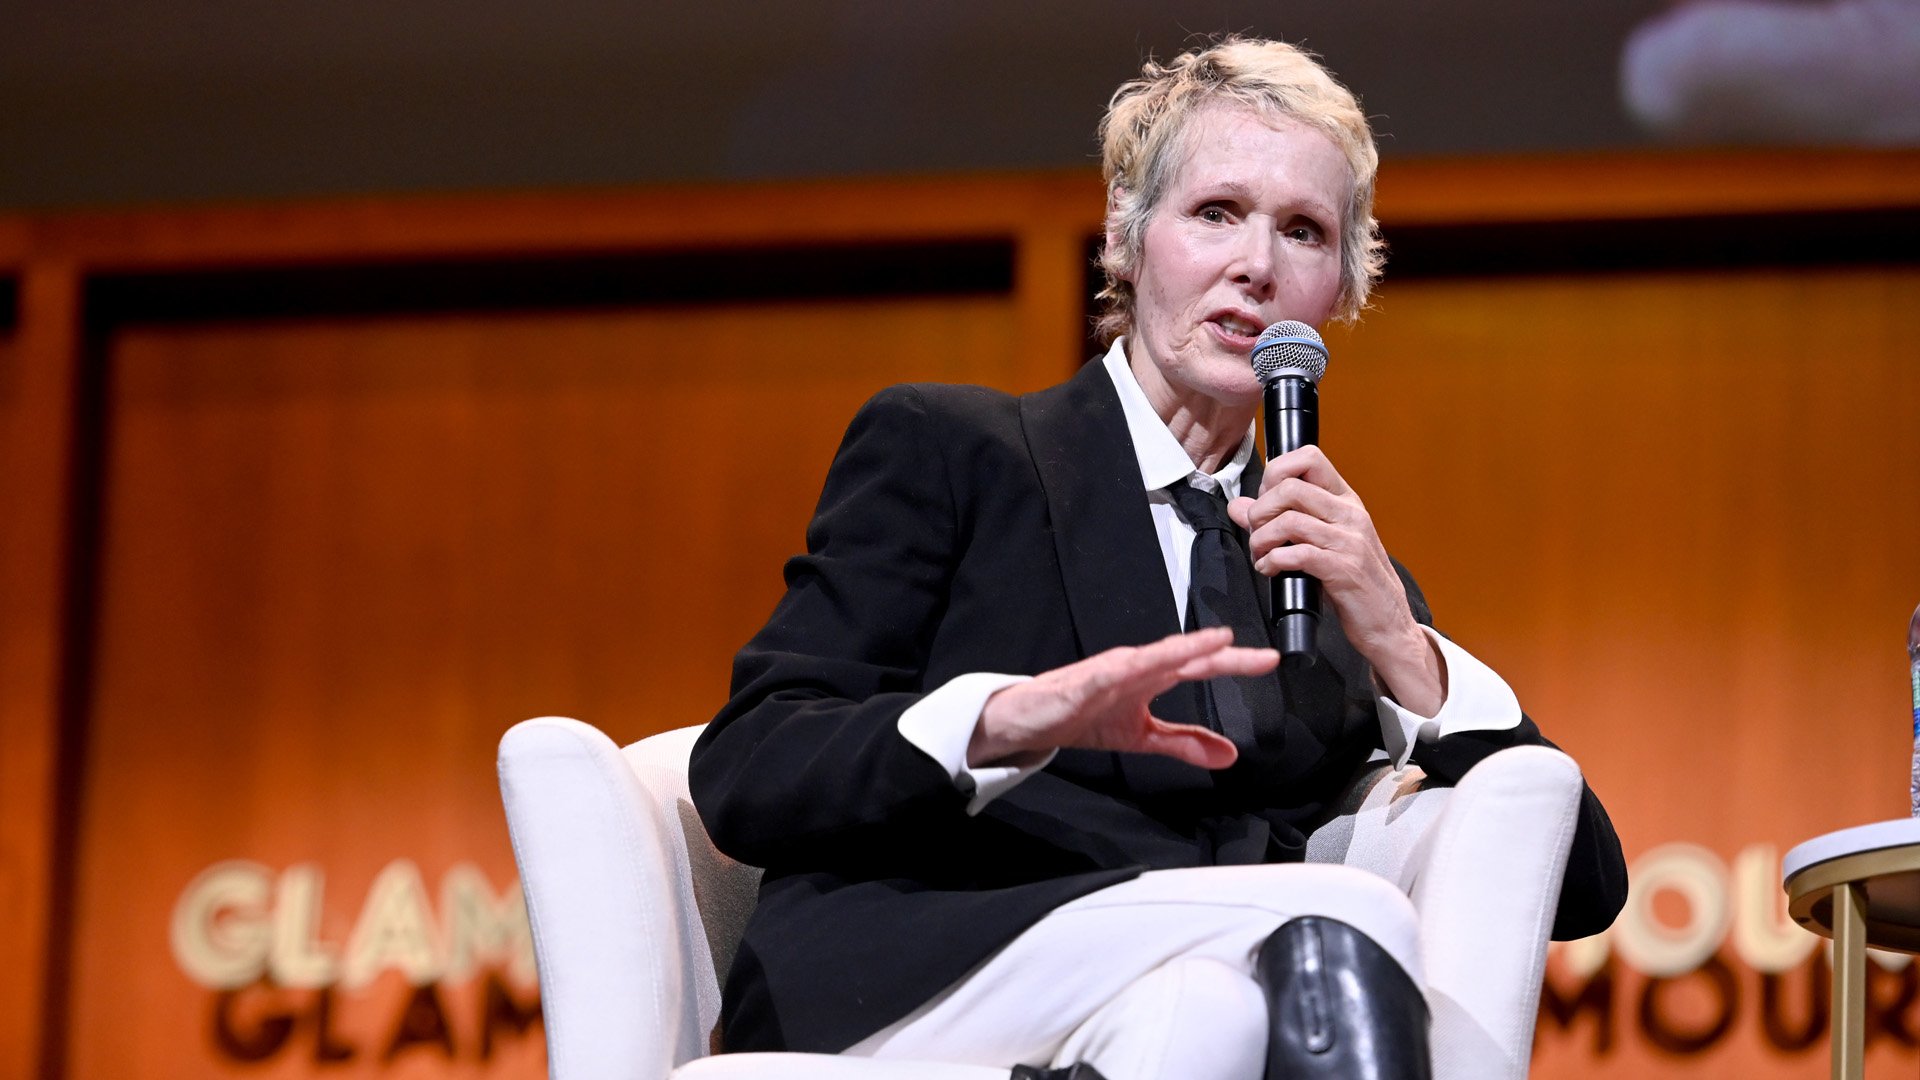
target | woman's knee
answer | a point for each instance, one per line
(1365, 901)
(1213, 993)
(1193, 1017)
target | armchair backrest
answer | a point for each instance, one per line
(722, 891)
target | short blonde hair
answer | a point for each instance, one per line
(1143, 142)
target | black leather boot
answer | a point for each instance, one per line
(1077, 1071)
(1339, 1006)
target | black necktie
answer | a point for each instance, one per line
(1223, 590)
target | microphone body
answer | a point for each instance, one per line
(1289, 360)
(1292, 407)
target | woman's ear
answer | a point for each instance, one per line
(1114, 199)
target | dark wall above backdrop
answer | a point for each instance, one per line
(131, 101)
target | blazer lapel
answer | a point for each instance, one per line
(1110, 562)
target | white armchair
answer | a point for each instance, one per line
(635, 914)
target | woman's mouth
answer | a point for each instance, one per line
(1235, 331)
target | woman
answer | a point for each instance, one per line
(1009, 813)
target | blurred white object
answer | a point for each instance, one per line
(1846, 71)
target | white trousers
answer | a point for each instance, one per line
(1148, 979)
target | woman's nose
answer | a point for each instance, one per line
(1253, 265)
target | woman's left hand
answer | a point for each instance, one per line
(1308, 518)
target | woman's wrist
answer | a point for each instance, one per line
(990, 743)
(1412, 672)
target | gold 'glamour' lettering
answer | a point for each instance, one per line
(238, 922)
(221, 930)
(395, 930)
(1744, 907)
(1700, 944)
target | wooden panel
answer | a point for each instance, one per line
(340, 559)
(1563, 187)
(1421, 191)
(38, 371)
(24, 795)
(700, 217)
(1679, 514)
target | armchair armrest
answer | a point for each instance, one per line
(1483, 862)
(611, 930)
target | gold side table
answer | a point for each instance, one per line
(1860, 887)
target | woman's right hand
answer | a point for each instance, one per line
(1102, 703)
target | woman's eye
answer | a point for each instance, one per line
(1212, 214)
(1304, 233)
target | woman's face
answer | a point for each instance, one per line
(1247, 234)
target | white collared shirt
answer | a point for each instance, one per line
(941, 723)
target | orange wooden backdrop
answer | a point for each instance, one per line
(334, 555)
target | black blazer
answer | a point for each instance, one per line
(962, 530)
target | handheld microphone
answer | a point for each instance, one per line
(1289, 359)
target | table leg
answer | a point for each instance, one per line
(1849, 982)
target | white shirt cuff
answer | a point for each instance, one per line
(941, 725)
(1477, 700)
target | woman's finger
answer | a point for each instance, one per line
(1194, 745)
(1309, 463)
(1293, 493)
(1149, 665)
(1295, 527)
(1235, 661)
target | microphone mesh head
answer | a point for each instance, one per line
(1289, 348)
